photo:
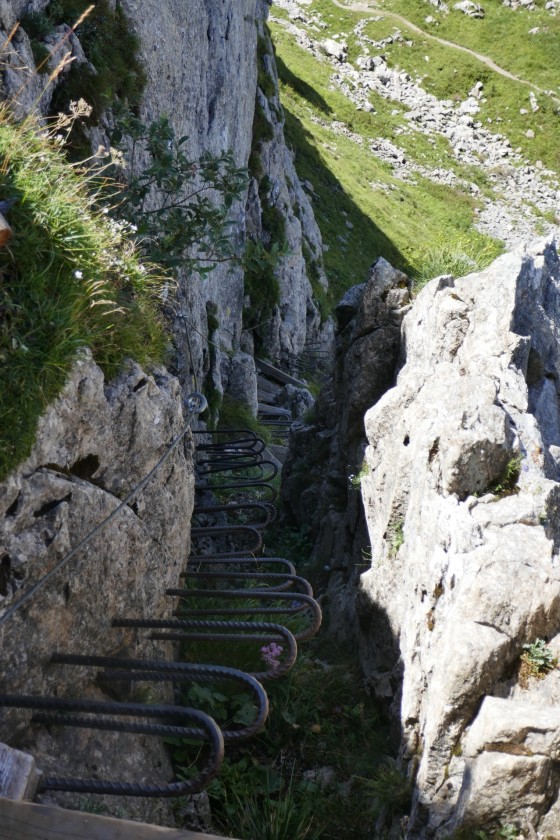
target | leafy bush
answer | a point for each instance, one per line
(537, 661)
(169, 201)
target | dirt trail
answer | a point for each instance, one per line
(372, 9)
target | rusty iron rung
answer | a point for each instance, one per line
(71, 712)
(238, 462)
(265, 508)
(178, 630)
(212, 531)
(231, 468)
(237, 485)
(250, 439)
(288, 580)
(298, 603)
(244, 561)
(177, 672)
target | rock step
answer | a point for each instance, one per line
(268, 399)
(277, 375)
(278, 451)
(266, 386)
(274, 410)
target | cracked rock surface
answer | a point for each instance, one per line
(465, 558)
(94, 444)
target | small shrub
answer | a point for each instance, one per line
(537, 661)
(169, 201)
(263, 131)
(356, 479)
(391, 789)
(507, 483)
(264, 80)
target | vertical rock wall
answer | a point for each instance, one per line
(207, 66)
(94, 444)
(322, 474)
(99, 438)
(461, 498)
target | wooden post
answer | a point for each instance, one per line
(19, 775)
(5, 231)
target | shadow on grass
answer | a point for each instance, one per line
(301, 88)
(354, 241)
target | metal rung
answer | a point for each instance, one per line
(238, 485)
(267, 509)
(141, 670)
(287, 580)
(228, 530)
(297, 603)
(93, 714)
(181, 630)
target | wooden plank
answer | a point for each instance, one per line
(272, 372)
(29, 821)
(19, 775)
(5, 231)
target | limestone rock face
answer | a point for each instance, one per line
(94, 444)
(461, 498)
(276, 190)
(202, 61)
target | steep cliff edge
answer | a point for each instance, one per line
(94, 444)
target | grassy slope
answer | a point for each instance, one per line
(502, 35)
(400, 221)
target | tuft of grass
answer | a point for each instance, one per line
(391, 789)
(459, 258)
(69, 277)
(316, 707)
(112, 47)
(507, 483)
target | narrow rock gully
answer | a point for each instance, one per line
(233, 599)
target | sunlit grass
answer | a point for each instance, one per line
(69, 278)
(363, 210)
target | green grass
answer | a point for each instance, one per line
(450, 74)
(68, 278)
(317, 707)
(501, 35)
(399, 221)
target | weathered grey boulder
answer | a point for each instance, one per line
(241, 381)
(335, 49)
(461, 498)
(469, 8)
